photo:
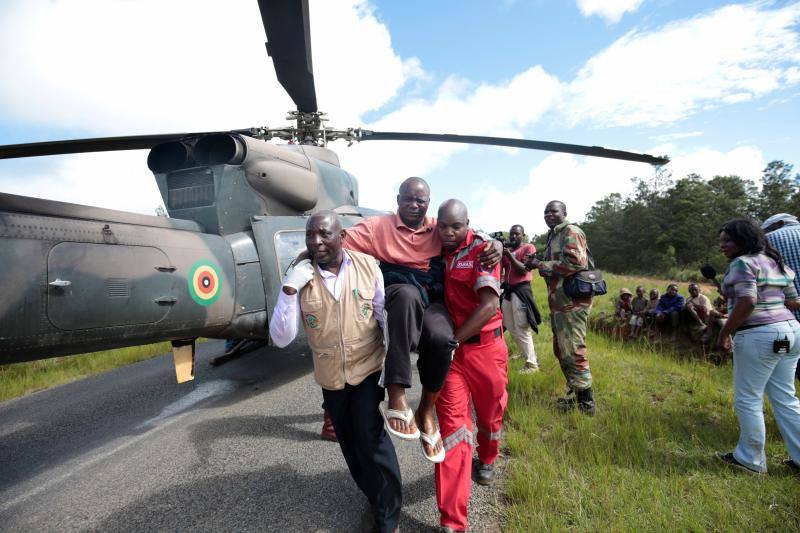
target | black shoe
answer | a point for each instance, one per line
(585, 399)
(731, 460)
(568, 402)
(791, 464)
(484, 475)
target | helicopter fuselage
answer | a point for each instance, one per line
(80, 278)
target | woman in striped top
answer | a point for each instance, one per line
(760, 292)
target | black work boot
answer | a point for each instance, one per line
(585, 400)
(567, 402)
(485, 474)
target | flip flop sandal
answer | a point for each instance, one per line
(406, 416)
(431, 440)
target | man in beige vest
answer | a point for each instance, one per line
(341, 300)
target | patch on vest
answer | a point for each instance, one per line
(467, 263)
(366, 309)
(312, 321)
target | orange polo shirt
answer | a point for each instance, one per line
(387, 239)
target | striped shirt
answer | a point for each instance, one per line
(787, 241)
(758, 276)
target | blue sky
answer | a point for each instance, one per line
(716, 85)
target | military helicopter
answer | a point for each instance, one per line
(78, 279)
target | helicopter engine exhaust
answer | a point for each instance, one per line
(274, 172)
(219, 149)
(170, 156)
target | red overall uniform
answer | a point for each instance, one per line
(479, 370)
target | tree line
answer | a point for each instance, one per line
(670, 227)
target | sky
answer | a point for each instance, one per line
(714, 85)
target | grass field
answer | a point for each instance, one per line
(23, 378)
(645, 461)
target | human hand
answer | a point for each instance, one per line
(491, 254)
(299, 275)
(532, 263)
(452, 345)
(724, 342)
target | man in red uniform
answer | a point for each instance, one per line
(479, 369)
(520, 313)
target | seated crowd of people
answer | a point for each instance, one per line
(670, 313)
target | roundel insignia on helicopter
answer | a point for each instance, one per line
(204, 282)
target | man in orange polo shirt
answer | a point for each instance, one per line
(417, 320)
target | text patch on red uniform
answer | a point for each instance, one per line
(465, 264)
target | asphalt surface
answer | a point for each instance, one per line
(237, 449)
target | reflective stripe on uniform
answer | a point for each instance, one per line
(491, 435)
(461, 434)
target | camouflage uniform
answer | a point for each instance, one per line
(565, 255)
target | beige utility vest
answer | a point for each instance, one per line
(345, 338)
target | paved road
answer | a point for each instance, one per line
(235, 450)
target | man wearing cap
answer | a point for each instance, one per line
(520, 313)
(340, 297)
(783, 233)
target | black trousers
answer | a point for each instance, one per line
(367, 448)
(412, 327)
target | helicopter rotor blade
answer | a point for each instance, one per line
(579, 149)
(97, 144)
(77, 146)
(289, 44)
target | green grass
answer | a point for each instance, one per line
(23, 378)
(645, 461)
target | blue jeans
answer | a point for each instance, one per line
(757, 369)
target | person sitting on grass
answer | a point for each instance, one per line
(697, 311)
(716, 320)
(622, 308)
(668, 310)
(638, 310)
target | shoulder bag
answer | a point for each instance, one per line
(586, 283)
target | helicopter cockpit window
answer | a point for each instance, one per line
(288, 245)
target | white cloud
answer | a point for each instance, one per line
(227, 82)
(744, 161)
(458, 107)
(611, 10)
(676, 136)
(582, 181)
(202, 67)
(736, 53)
(107, 179)
(195, 65)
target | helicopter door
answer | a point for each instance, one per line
(279, 239)
(102, 285)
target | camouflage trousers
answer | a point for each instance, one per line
(569, 346)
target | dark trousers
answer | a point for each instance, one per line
(413, 327)
(367, 448)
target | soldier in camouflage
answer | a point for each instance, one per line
(566, 254)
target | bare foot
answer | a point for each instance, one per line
(397, 401)
(427, 425)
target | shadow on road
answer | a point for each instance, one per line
(49, 428)
(277, 499)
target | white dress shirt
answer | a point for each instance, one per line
(284, 322)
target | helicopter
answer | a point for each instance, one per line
(79, 279)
